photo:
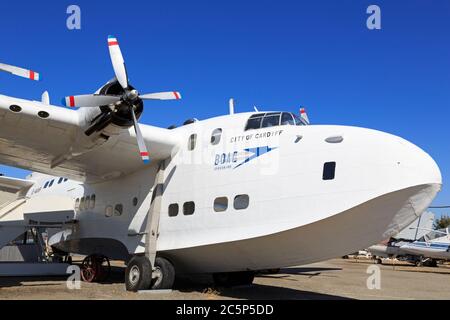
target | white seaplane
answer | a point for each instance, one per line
(229, 195)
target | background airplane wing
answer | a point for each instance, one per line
(40, 137)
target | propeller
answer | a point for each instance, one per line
(128, 99)
(24, 73)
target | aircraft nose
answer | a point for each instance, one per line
(418, 166)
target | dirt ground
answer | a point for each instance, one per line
(333, 279)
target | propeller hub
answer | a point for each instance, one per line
(131, 95)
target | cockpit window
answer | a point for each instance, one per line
(272, 119)
(299, 121)
(287, 119)
(254, 122)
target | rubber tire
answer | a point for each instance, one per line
(232, 279)
(168, 275)
(144, 267)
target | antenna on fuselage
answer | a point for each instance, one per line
(256, 109)
(231, 106)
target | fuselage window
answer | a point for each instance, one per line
(87, 202)
(82, 203)
(215, 137)
(241, 202)
(271, 120)
(108, 211)
(188, 208)
(329, 171)
(221, 204)
(118, 209)
(192, 142)
(173, 210)
(287, 119)
(92, 202)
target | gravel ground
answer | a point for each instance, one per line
(333, 279)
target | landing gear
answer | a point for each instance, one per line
(138, 275)
(231, 279)
(95, 268)
(163, 276)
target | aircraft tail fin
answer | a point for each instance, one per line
(304, 115)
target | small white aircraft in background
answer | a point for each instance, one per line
(432, 247)
(228, 195)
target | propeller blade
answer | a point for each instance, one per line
(25, 73)
(173, 95)
(140, 140)
(117, 61)
(89, 100)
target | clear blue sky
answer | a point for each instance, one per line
(274, 54)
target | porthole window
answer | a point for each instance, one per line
(173, 210)
(188, 208)
(108, 211)
(87, 202)
(82, 203)
(92, 202)
(329, 171)
(135, 201)
(192, 142)
(118, 210)
(221, 204)
(216, 136)
(241, 202)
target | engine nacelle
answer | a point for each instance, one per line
(120, 115)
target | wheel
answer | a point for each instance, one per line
(104, 268)
(89, 269)
(431, 263)
(138, 274)
(231, 279)
(379, 261)
(419, 263)
(95, 268)
(163, 274)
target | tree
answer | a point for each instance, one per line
(442, 223)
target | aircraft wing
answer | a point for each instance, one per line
(39, 137)
(11, 188)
